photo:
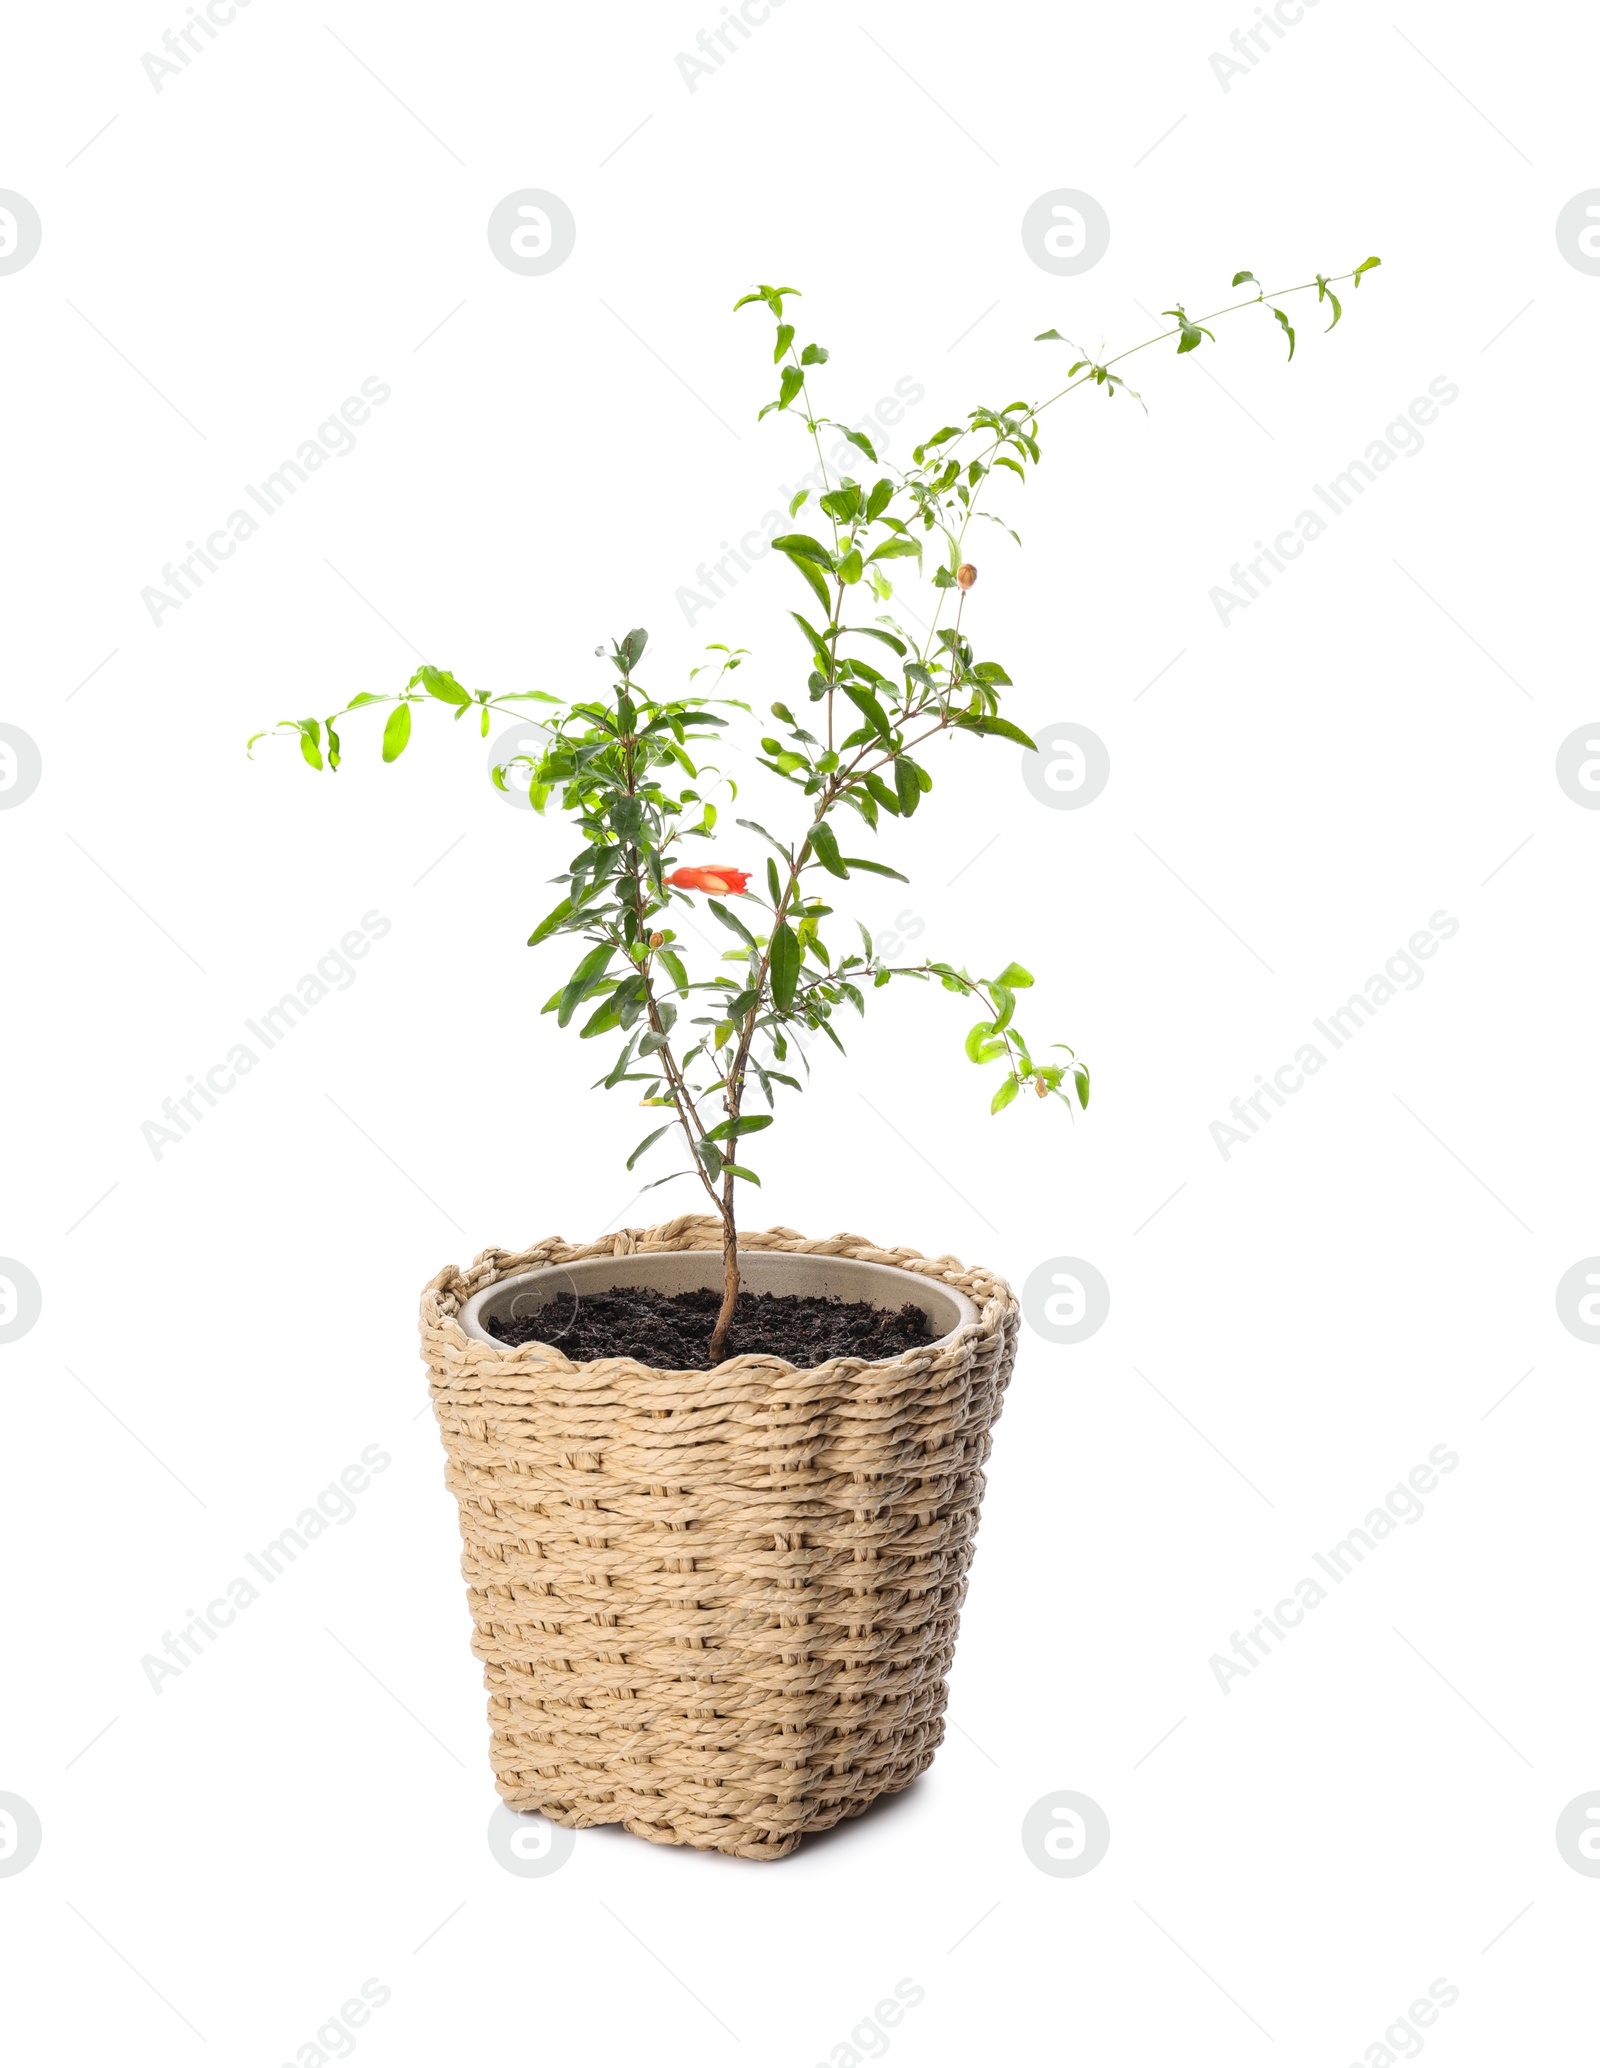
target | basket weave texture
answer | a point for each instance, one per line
(715, 1607)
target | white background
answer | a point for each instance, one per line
(305, 206)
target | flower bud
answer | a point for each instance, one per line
(966, 575)
(1041, 1087)
(656, 939)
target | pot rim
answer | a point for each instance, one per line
(919, 1286)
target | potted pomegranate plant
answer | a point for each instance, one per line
(719, 1487)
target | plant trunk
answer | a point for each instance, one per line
(730, 1285)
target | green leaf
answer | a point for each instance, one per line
(852, 861)
(772, 296)
(620, 1066)
(711, 1157)
(548, 924)
(733, 925)
(864, 444)
(802, 545)
(981, 1044)
(1015, 977)
(582, 981)
(814, 355)
(1081, 1079)
(440, 683)
(1288, 329)
(646, 1143)
(601, 1021)
(774, 888)
(397, 732)
(1365, 266)
(308, 744)
(784, 965)
(991, 671)
(826, 849)
(861, 801)
(1004, 1095)
(808, 567)
(888, 638)
(815, 641)
(850, 566)
(785, 340)
(879, 500)
(869, 707)
(755, 827)
(1189, 333)
(679, 975)
(826, 1027)
(880, 793)
(907, 787)
(1239, 279)
(746, 1124)
(1044, 336)
(738, 1170)
(1000, 728)
(627, 819)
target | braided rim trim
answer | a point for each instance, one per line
(449, 1291)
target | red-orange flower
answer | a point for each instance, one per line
(718, 879)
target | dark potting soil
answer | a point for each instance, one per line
(673, 1330)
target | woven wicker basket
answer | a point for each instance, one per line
(715, 1607)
